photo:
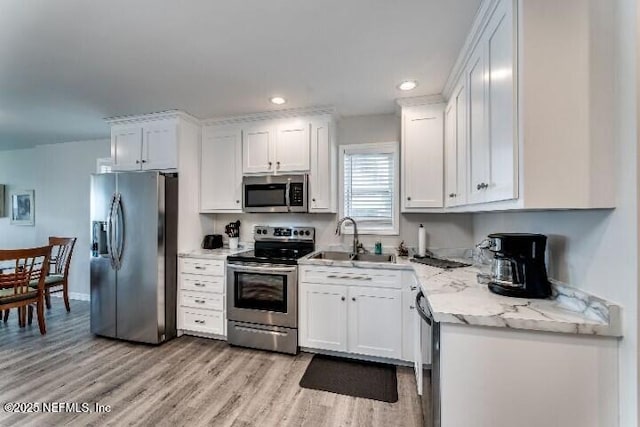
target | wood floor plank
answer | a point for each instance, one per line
(187, 381)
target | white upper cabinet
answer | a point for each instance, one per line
(276, 147)
(159, 146)
(456, 148)
(323, 173)
(221, 169)
(126, 148)
(527, 121)
(422, 157)
(258, 149)
(150, 141)
(291, 152)
(491, 126)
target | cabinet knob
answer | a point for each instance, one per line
(137, 162)
(144, 161)
(478, 187)
(343, 298)
(313, 200)
(278, 165)
(270, 165)
(237, 201)
(411, 307)
(452, 195)
(353, 298)
(408, 198)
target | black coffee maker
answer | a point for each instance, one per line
(518, 268)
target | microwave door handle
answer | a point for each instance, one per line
(287, 196)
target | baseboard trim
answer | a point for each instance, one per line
(77, 296)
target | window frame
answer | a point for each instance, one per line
(392, 147)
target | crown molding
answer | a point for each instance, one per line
(270, 115)
(480, 21)
(420, 100)
(161, 115)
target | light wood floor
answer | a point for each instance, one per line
(187, 381)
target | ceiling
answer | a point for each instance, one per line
(67, 64)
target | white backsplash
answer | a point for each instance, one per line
(443, 231)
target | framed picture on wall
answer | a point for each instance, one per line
(22, 208)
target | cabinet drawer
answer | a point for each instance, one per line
(211, 322)
(198, 283)
(207, 267)
(206, 301)
(352, 276)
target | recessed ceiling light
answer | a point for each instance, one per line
(408, 85)
(278, 100)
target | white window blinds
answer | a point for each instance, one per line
(369, 184)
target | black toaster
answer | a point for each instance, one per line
(212, 241)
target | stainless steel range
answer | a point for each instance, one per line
(262, 289)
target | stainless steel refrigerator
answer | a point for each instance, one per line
(134, 221)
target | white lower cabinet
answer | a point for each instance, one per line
(201, 297)
(323, 317)
(353, 310)
(375, 322)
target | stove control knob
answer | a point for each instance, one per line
(259, 231)
(264, 231)
(307, 232)
(295, 232)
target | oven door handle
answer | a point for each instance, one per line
(267, 269)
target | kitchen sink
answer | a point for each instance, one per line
(333, 256)
(375, 258)
(347, 256)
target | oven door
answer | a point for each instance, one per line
(263, 294)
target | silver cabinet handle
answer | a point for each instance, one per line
(198, 267)
(200, 285)
(199, 301)
(199, 321)
(333, 276)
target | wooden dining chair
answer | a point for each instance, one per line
(16, 290)
(58, 278)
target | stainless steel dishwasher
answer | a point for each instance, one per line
(429, 333)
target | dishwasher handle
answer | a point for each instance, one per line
(427, 317)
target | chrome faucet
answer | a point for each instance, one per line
(355, 232)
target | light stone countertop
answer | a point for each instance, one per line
(219, 254)
(455, 296)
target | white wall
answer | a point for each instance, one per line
(59, 174)
(17, 172)
(449, 231)
(598, 250)
(63, 201)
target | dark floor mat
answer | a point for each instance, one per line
(355, 378)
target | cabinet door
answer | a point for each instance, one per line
(478, 138)
(409, 314)
(500, 46)
(450, 153)
(375, 322)
(422, 158)
(257, 150)
(160, 146)
(221, 170)
(460, 94)
(322, 192)
(126, 148)
(292, 147)
(323, 317)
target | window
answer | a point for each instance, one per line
(370, 187)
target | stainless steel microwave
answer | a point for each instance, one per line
(274, 193)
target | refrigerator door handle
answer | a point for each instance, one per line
(121, 231)
(110, 232)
